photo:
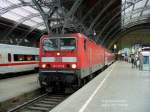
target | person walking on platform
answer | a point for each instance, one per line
(140, 61)
(136, 60)
(132, 60)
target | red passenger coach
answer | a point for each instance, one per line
(69, 59)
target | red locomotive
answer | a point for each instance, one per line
(70, 59)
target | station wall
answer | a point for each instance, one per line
(135, 37)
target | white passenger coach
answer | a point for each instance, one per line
(15, 58)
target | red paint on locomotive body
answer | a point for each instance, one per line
(84, 59)
(59, 59)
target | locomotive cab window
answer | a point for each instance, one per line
(59, 44)
(50, 44)
(67, 43)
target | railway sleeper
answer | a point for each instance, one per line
(38, 108)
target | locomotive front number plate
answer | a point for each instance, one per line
(58, 59)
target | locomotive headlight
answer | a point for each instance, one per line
(43, 65)
(73, 66)
(58, 54)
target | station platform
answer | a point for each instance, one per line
(15, 86)
(119, 88)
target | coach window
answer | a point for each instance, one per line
(29, 58)
(9, 57)
(37, 58)
(19, 57)
(85, 42)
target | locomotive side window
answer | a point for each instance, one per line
(9, 57)
(85, 44)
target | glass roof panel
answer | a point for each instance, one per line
(148, 4)
(30, 9)
(146, 12)
(140, 4)
(45, 9)
(41, 27)
(136, 15)
(37, 19)
(27, 0)
(30, 23)
(12, 16)
(132, 14)
(28, 14)
(123, 1)
(14, 1)
(129, 9)
(21, 12)
(4, 3)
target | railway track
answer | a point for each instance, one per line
(43, 103)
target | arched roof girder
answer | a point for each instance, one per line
(104, 17)
(11, 7)
(110, 31)
(90, 11)
(99, 15)
(111, 21)
(119, 33)
(139, 10)
(138, 21)
(20, 22)
(30, 31)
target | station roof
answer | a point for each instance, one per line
(101, 18)
(21, 13)
(135, 12)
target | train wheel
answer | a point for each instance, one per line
(77, 85)
(80, 82)
(84, 81)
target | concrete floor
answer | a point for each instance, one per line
(12, 87)
(118, 89)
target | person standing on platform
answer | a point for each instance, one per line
(132, 60)
(141, 61)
